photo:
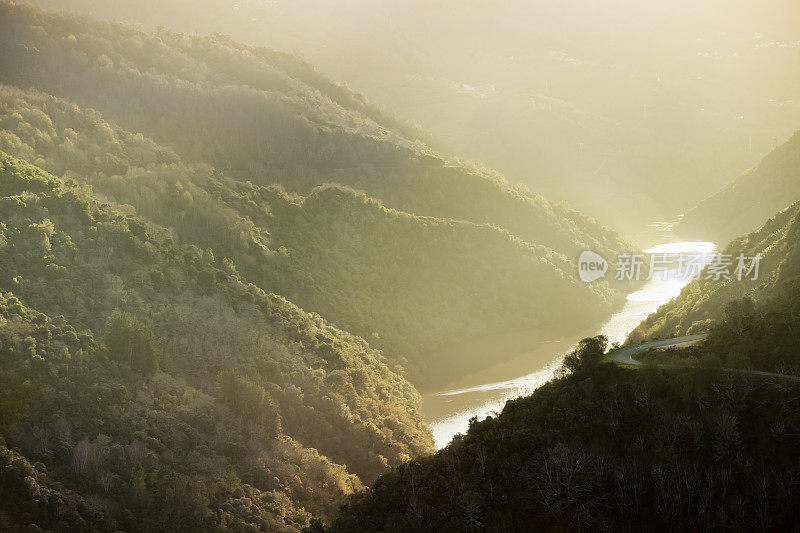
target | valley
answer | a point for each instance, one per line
(356, 266)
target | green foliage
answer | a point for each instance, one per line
(139, 455)
(587, 355)
(250, 400)
(31, 499)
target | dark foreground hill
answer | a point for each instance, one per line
(702, 444)
(607, 448)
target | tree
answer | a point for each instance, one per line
(588, 353)
(250, 400)
(739, 314)
(132, 342)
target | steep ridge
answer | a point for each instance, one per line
(703, 301)
(691, 445)
(744, 204)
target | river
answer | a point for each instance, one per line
(448, 412)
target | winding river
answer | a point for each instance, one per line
(448, 412)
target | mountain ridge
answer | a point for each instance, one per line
(268, 134)
(316, 249)
(56, 235)
(742, 205)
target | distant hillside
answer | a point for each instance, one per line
(611, 449)
(744, 204)
(396, 279)
(262, 116)
(619, 107)
(160, 371)
(704, 303)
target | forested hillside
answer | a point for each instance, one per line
(744, 204)
(759, 307)
(264, 117)
(607, 448)
(757, 335)
(156, 369)
(88, 443)
(395, 279)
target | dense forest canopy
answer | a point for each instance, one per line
(88, 443)
(139, 312)
(391, 277)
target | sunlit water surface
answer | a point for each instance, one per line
(448, 412)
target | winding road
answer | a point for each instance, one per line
(625, 356)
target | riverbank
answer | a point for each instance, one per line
(448, 411)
